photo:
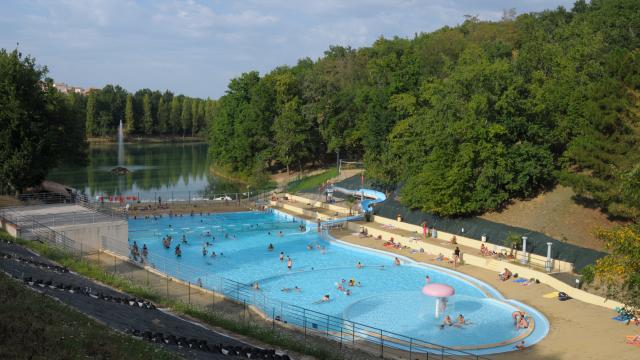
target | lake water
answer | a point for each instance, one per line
(178, 168)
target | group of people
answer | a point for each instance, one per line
(484, 250)
(343, 286)
(135, 252)
(460, 321)
(520, 319)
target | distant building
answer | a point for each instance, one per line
(66, 89)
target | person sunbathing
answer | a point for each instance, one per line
(505, 275)
(440, 257)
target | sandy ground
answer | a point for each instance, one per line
(578, 330)
(556, 214)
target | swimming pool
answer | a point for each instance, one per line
(389, 297)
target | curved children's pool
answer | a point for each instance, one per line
(389, 297)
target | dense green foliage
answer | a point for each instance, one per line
(144, 112)
(465, 118)
(38, 125)
(620, 271)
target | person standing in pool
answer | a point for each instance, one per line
(281, 255)
(204, 251)
(178, 251)
(270, 247)
(428, 279)
(289, 263)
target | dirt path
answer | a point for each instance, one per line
(556, 214)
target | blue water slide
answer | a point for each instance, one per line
(369, 197)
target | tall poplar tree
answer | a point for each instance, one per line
(147, 120)
(176, 111)
(186, 116)
(91, 114)
(163, 116)
(129, 120)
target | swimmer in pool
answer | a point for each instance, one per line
(289, 263)
(270, 247)
(281, 255)
(295, 288)
(204, 251)
(359, 265)
(446, 322)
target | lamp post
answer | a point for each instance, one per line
(549, 261)
(524, 251)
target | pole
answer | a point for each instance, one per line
(189, 292)
(548, 266)
(524, 251)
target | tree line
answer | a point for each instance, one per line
(39, 127)
(144, 112)
(462, 119)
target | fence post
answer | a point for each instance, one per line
(189, 292)
(304, 322)
(410, 348)
(273, 319)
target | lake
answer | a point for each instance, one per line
(168, 169)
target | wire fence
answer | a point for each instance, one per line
(308, 325)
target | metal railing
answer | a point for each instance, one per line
(310, 322)
(284, 315)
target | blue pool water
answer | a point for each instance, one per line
(389, 296)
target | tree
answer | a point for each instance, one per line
(620, 271)
(147, 120)
(91, 114)
(185, 117)
(176, 111)
(129, 121)
(163, 117)
(290, 135)
(38, 127)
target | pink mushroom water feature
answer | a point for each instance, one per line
(441, 292)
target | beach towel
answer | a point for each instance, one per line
(551, 295)
(520, 280)
(620, 318)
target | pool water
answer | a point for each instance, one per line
(389, 297)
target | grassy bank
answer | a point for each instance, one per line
(311, 182)
(260, 182)
(145, 139)
(35, 326)
(250, 329)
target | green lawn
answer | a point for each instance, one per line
(311, 182)
(34, 326)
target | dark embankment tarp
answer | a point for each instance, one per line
(475, 227)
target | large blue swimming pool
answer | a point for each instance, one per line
(389, 296)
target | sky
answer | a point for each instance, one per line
(194, 47)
